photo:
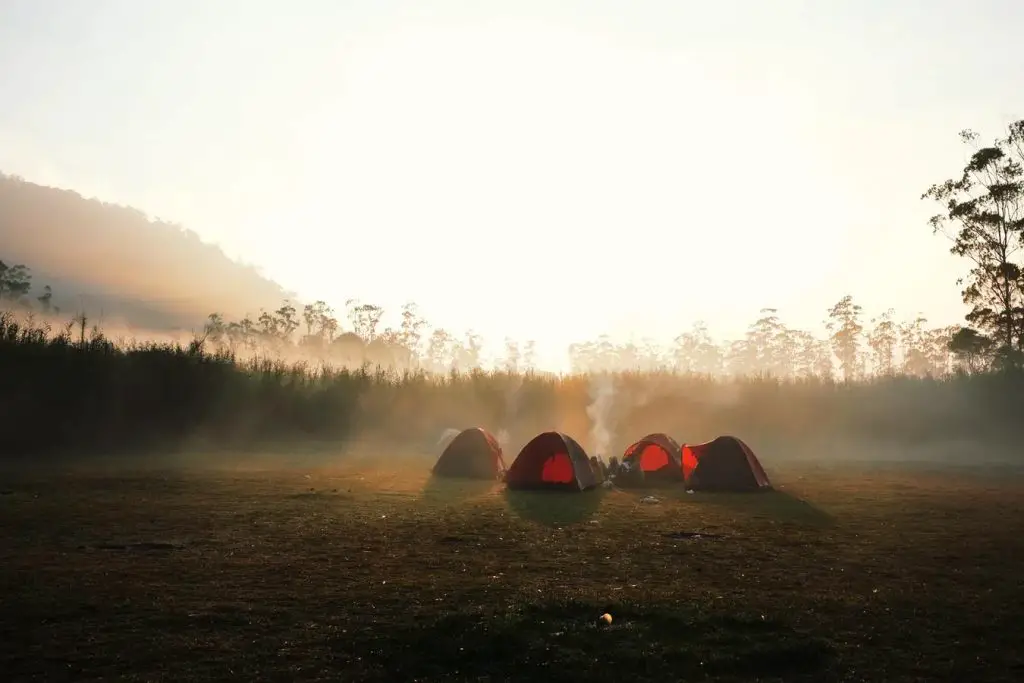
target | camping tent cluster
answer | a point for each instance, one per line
(553, 460)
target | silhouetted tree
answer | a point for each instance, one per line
(320, 324)
(512, 355)
(46, 301)
(364, 318)
(215, 329)
(287, 321)
(812, 356)
(741, 357)
(695, 351)
(770, 345)
(915, 342)
(439, 350)
(973, 351)
(242, 334)
(844, 328)
(15, 282)
(940, 356)
(884, 342)
(986, 206)
(411, 334)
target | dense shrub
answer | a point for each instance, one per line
(70, 394)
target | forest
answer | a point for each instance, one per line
(304, 370)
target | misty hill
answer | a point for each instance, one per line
(111, 260)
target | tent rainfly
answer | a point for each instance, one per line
(473, 454)
(723, 464)
(552, 460)
(657, 456)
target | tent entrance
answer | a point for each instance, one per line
(558, 469)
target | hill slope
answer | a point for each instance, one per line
(114, 261)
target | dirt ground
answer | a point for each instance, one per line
(867, 574)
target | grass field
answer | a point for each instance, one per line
(351, 574)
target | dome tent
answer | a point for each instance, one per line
(473, 454)
(657, 456)
(552, 460)
(723, 464)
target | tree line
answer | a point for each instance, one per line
(982, 215)
(853, 349)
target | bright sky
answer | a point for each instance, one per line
(539, 169)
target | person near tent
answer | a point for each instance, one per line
(613, 467)
(630, 474)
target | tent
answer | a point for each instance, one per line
(447, 436)
(473, 454)
(723, 464)
(657, 456)
(552, 460)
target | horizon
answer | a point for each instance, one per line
(579, 148)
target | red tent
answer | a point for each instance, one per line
(723, 464)
(552, 460)
(473, 454)
(658, 456)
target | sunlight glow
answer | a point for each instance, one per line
(525, 185)
(547, 171)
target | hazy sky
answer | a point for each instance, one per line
(541, 169)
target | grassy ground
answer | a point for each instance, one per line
(350, 575)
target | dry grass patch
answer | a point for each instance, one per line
(351, 574)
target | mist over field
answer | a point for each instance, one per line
(303, 383)
(666, 341)
(204, 400)
(131, 338)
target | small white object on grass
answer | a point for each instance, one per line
(649, 500)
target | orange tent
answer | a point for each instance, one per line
(473, 454)
(657, 455)
(723, 464)
(552, 460)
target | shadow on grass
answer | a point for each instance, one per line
(774, 504)
(450, 490)
(649, 482)
(554, 508)
(656, 488)
(564, 641)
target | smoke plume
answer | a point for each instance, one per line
(447, 436)
(503, 438)
(512, 399)
(512, 394)
(602, 398)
